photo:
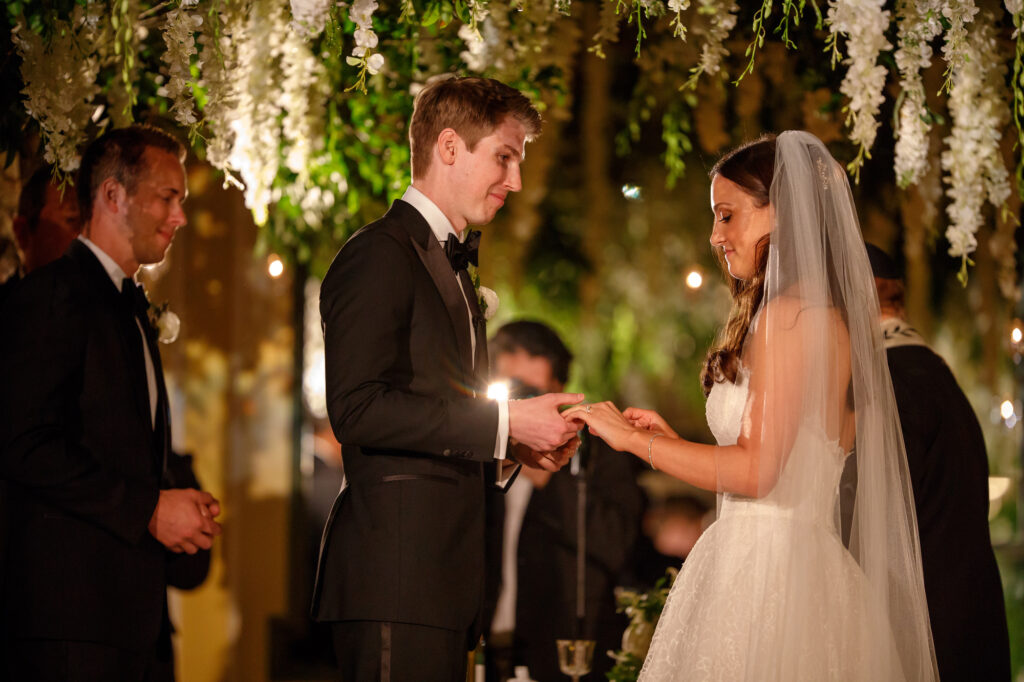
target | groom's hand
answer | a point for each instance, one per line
(183, 520)
(547, 461)
(537, 424)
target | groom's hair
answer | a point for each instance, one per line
(119, 153)
(537, 340)
(472, 107)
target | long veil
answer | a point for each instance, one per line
(774, 594)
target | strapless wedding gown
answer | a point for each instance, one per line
(769, 592)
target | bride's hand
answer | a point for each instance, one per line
(649, 420)
(605, 422)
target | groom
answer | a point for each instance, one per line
(401, 571)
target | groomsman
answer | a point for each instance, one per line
(949, 472)
(401, 571)
(85, 435)
(533, 544)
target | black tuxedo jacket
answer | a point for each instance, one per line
(83, 460)
(949, 470)
(405, 539)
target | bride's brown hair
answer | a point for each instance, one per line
(752, 167)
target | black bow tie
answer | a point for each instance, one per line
(134, 297)
(462, 254)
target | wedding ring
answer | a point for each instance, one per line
(588, 409)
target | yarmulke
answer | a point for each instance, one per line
(882, 266)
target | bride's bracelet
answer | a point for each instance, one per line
(650, 455)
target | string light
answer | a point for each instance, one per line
(694, 280)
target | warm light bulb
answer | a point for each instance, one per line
(275, 267)
(694, 280)
(1006, 409)
(497, 391)
(1017, 335)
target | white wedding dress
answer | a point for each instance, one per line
(769, 592)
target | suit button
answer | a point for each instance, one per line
(447, 452)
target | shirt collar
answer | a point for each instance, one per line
(112, 268)
(438, 221)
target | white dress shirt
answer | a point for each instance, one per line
(442, 227)
(117, 275)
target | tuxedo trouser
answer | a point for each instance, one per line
(55, 660)
(375, 651)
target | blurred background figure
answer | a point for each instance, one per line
(676, 524)
(47, 219)
(531, 598)
(46, 223)
(949, 471)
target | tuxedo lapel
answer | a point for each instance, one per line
(480, 360)
(127, 330)
(436, 263)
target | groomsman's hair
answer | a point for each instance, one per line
(537, 340)
(472, 107)
(118, 153)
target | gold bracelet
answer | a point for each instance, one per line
(650, 455)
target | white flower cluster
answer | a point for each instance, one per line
(864, 23)
(918, 25)
(60, 83)
(217, 63)
(475, 55)
(361, 14)
(721, 19)
(973, 161)
(179, 36)
(1014, 6)
(958, 13)
(677, 25)
(309, 17)
(255, 153)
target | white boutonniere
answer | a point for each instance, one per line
(166, 323)
(487, 298)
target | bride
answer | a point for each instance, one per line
(796, 384)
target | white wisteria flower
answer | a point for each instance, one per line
(720, 16)
(218, 62)
(678, 27)
(974, 166)
(864, 23)
(60, 82)
(309, 17)
(361, 14)
(304, 98)
(475, 56)
(959, 13)
(918, 24)
(179, 36)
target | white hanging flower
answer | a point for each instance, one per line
(677, 25)
(864, 23)
(60, 82)
(958, 13)
(218, 63)
(309, 17)
(303, 92)
(361, 14)
(179, 35)
(256, 147)
(1014, 6)
(721, 19)
(974, 166)
(918, 25)
(476, 55)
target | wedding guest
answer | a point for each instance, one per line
(85, 435)
(949, 471)
(535, 531)
(401, 571)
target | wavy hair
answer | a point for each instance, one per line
(752, 167)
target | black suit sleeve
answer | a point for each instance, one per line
(366, 303)
(42, 359)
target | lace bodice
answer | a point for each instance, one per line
(808, 486)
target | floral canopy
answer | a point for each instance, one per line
(302, 105)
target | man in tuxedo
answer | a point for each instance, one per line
(401, 569)
(533, 547)
(949, 473)
(85, 435)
